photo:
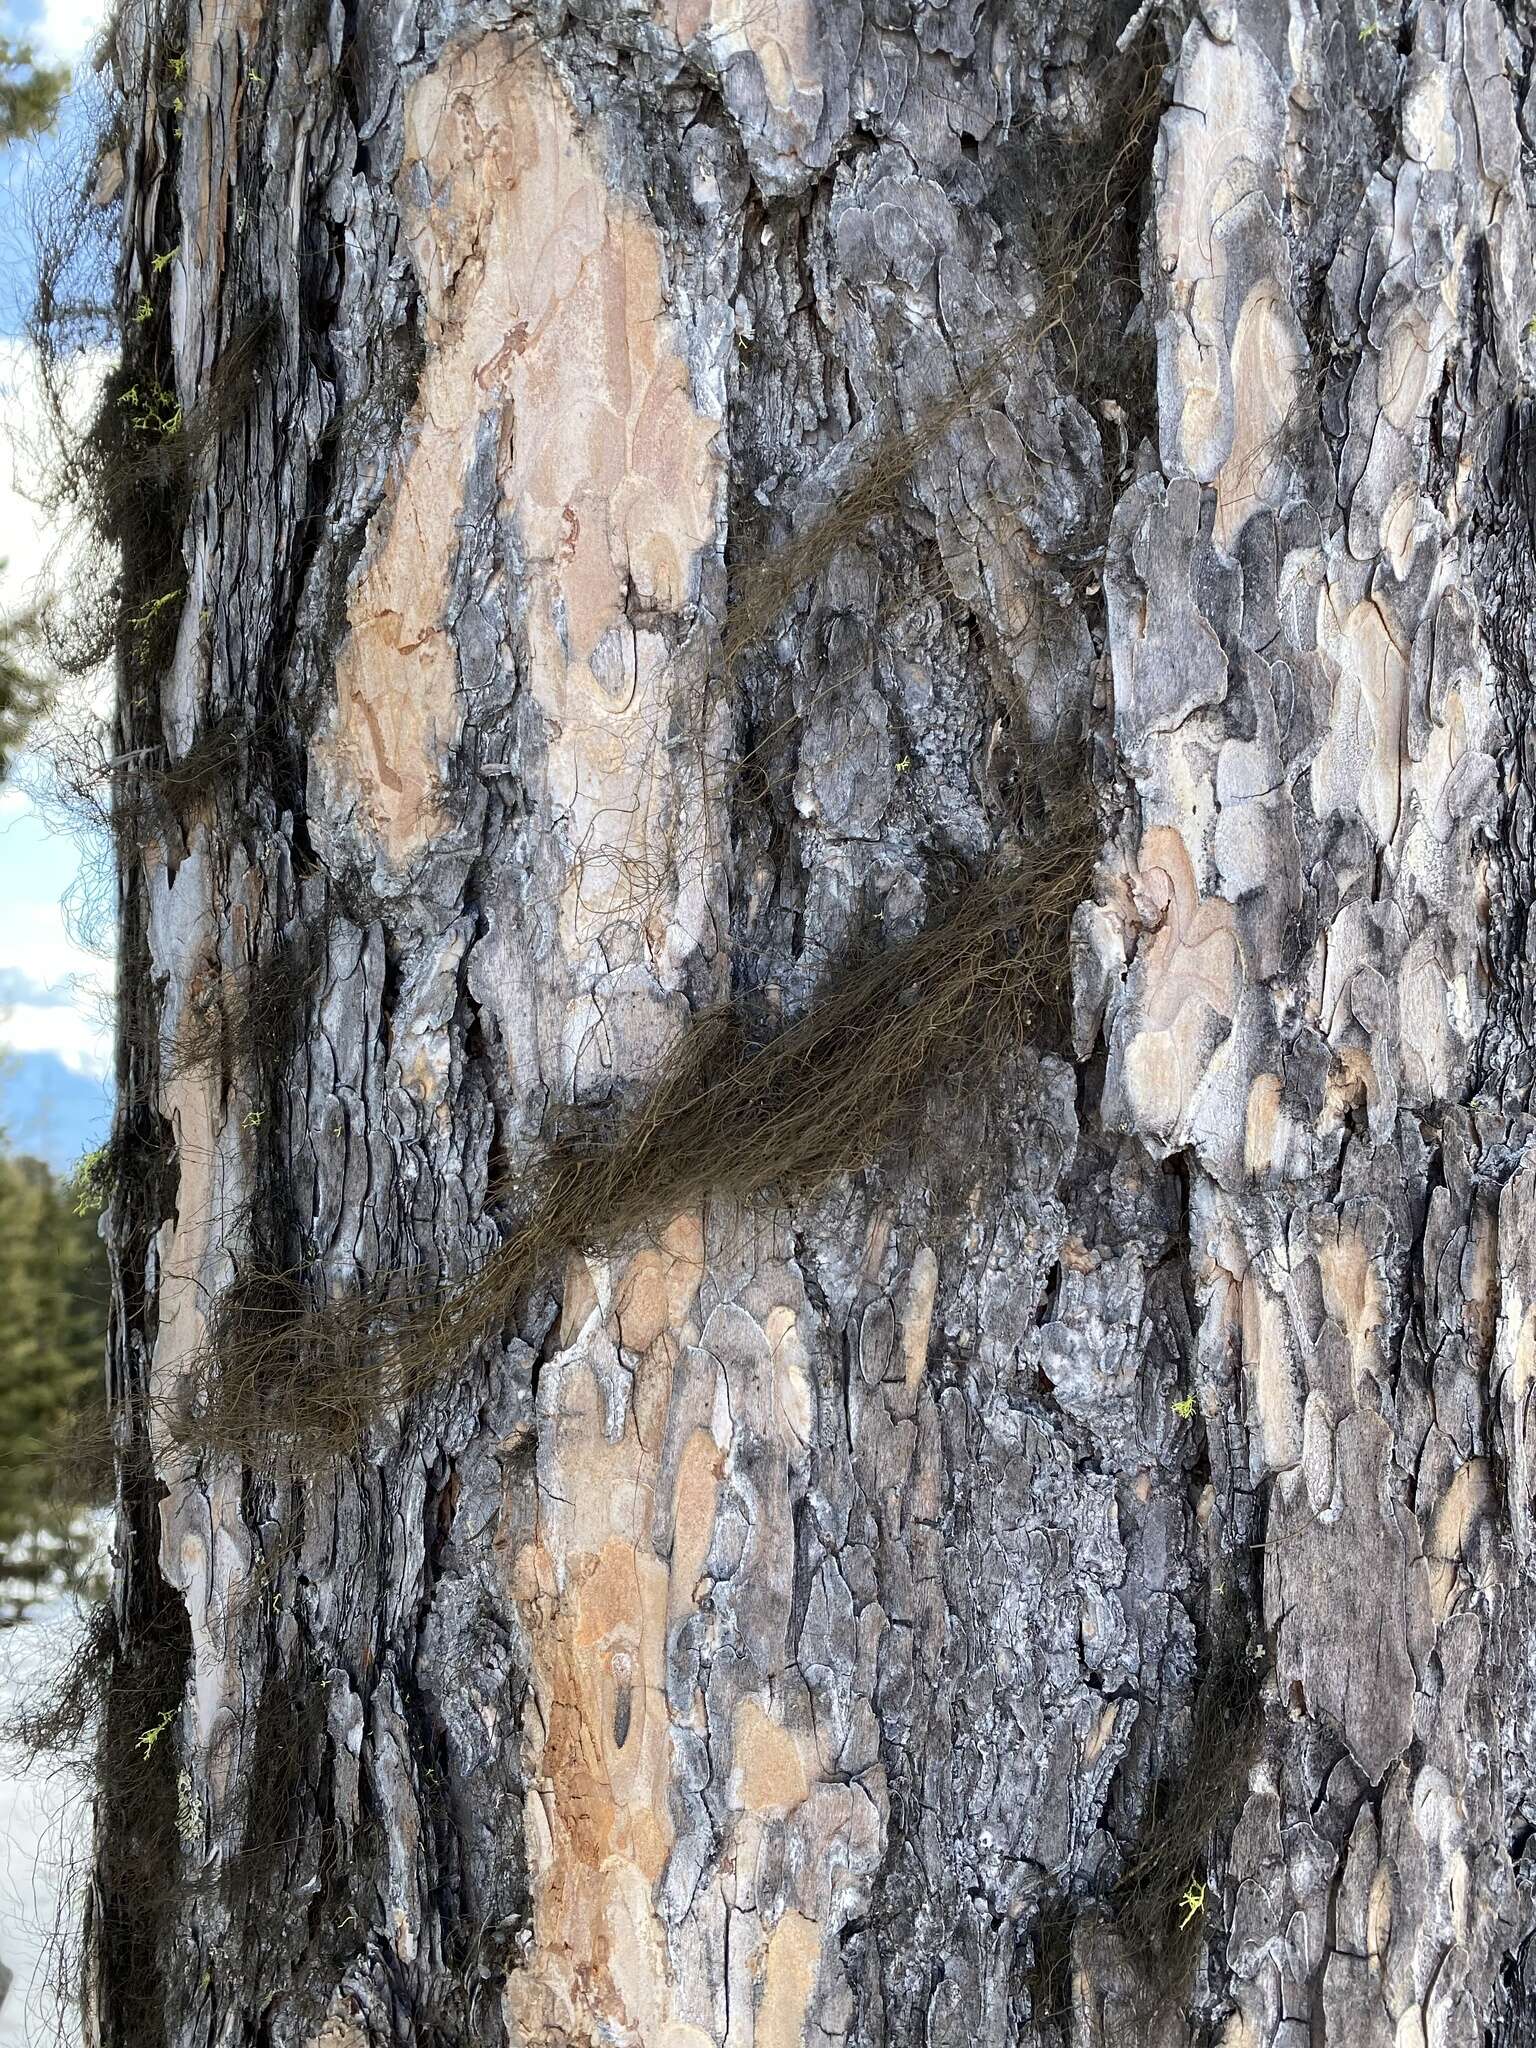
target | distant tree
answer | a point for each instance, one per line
(24, 687)
(30, 95)
(53, 1296)
(29, 92)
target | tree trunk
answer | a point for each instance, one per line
(669, 496)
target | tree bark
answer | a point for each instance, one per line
(1099, 1536)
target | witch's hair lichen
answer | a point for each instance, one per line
(736, 1113)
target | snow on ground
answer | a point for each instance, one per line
(44, 1827)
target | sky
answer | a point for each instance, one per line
(55, 991)
(55, 996)
(61, 31)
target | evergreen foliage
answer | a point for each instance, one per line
(24, 688)
(30, 95)
(53, 1317)
(29, 92)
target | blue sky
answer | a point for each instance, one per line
(54, 991)
(58, 30)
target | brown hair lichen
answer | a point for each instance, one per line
(239, 1017)
(1079, 321)
(110, 1715)
(735, 1113)
(1158, 1908)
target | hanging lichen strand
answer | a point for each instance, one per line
(733, 1116)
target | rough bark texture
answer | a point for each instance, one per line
(795, 1630)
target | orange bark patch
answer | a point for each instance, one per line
(545, 311)
(1352, 1295)
(189, 1102)
(606, 1745)
(226, 33)
(660, 1284)
(794, 1401)
(780, 34)
(1471, 1499)
(1268, 354)
(1226, 129)
(789, 1980)
(648, 1424)
(1262, 1123)
(596, 1599)
(578, 1300)
(769, 1774)
(1193, 972)
(598, 1823)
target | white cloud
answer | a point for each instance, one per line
(41, 953)
(39, 865)
(62, 31)
(16, 987)
(29, 535)
(35, 942)
(78, 1040)
(36, 545)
